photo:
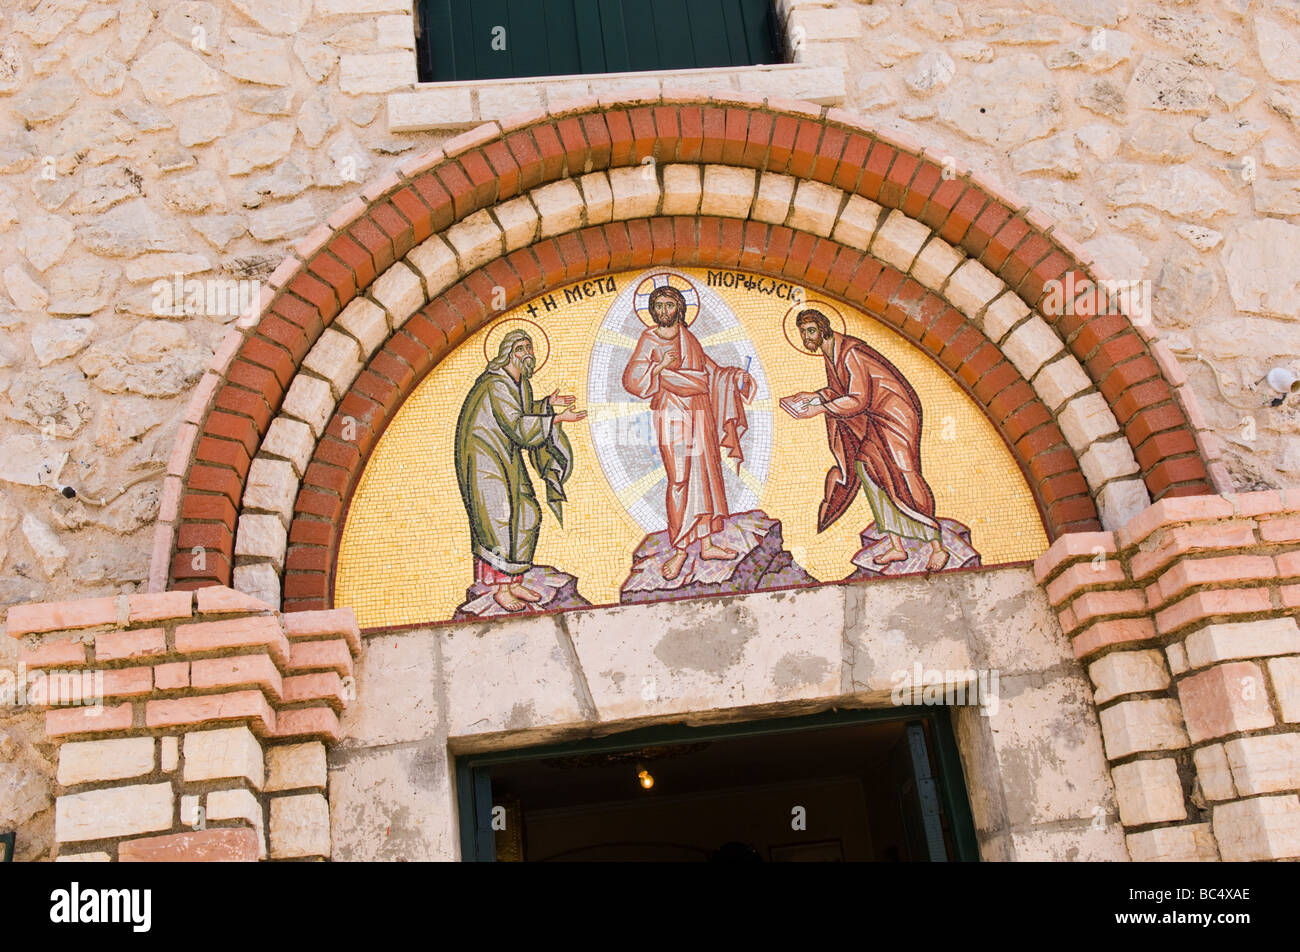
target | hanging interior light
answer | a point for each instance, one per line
(646, 779)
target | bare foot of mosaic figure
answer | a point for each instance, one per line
(543, 589)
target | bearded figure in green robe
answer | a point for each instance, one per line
(499, 423)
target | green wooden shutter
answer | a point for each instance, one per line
(561, 37)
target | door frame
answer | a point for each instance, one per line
(473, 785)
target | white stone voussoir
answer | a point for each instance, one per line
(681, 189)
(899, 240)
(636, 192)
(816, 207)
(728, 191)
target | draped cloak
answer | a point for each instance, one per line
(499, 422)
(698, 411)
(873, 417)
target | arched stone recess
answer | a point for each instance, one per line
(1094, 408)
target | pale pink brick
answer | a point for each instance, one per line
(253, 631)
(1083, 575)
(1070, 547)
(238, 706)
(160, 606)
(220, 600)
(1092, 605)
(1280, 530)
(1185, 540)
(314, 655)
(1173, 510)
(1288, 564)
(1290, 595)
(337, 621)
(53, 654)
(61, 616)
(1226, 699)
(1203, 605)
(128, 682)
(255, 669)
(308, 722)
(171, 677)
(319, 686)
(1117, 631)
(87, 720)
(123, 645)
(1261, 503)
(1231, 568)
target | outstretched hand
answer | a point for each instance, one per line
(558, 399)
(571, 416)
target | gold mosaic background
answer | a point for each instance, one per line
(405, 552)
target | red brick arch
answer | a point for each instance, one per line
(238, 398)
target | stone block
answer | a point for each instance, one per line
(1133, 726)
(775, 195)
(114, 812)
(728, 191)
(1030, 346)
(1121, 500)
(310, 400)
(936, 263)
(1213, 773)
(510, 676)
(435, 260)
(1107, 460)
(478, 239)
(1261, 828)
(1285, 673)
(295, 766)
(262, 537)
(972, 287)
(224, 845)
(1246, 639)
(371, 796)
(95, 760)
(519, 222)
(560, 206)
(815, 207)
(1082, 843)
(238, 805)
(1225, 699)
(899, 240)
(682, 189)
(431, 109)
(396, 683)
(1149, 791)
(1003, 314)
(273, 485)
(300, 826)
(1192, 843)
(740, 652)
(398, 291)
(376, 72)
(1059, 381)
(1128, 672)
(224, 754)
(636, 192)
(1265, 764)
(291, 439)
(366, 322)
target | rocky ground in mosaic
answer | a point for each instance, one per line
(956, 543)
(761, 563)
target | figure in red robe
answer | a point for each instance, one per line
(698, 410)
(873, 421)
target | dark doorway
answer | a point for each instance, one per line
(854, 786)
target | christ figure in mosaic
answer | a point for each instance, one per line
(500, 421)
(873, 421)
(698, 410)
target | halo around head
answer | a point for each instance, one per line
(791, 331)
(641, 302)
(541, 343)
